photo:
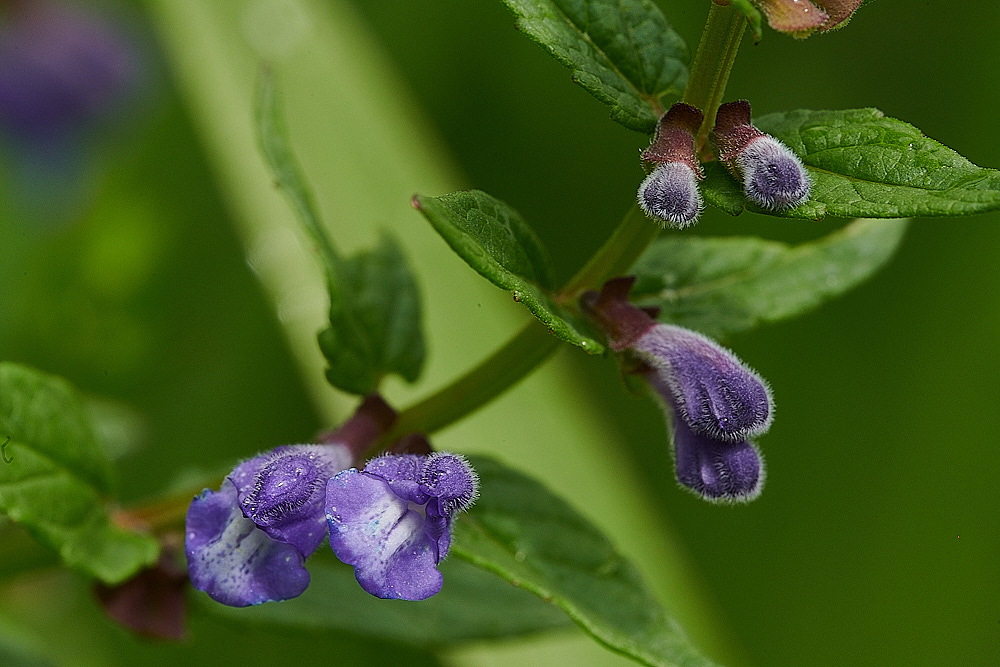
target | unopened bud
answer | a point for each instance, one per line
(670, 192)
(771, 174)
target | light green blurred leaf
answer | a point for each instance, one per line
(722, 286)
(623, 52)
(533, 539)
(495, 240)
(55, 474)
(864, 164)
(472, 605)
(375, 327)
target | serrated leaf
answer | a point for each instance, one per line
(865, 164)
(721, 286)
(54, 475)
(473, 605)
(533, 539)
(375, 328)
(623, 52)
(495, 240)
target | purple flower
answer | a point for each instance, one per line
(670, 192)
(59, 69)
(771, 174)
(714, 401)
(392, 521)
(246, 543)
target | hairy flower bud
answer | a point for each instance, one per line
(771, 174)
(670, 192)
(713, 400)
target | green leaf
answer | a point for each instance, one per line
(55, 474)
(533, 539)
(621, 51)
(495, 240)
(272, 137)
(864, 164)
(375, 327)
(472, 605)
(721, 286)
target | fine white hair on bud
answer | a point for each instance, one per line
(670, 193)
(773, 176)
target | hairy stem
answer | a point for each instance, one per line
(720, 42)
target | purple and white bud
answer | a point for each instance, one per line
(670, 192)
(772, 175)
(392, 521)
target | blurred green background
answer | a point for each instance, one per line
(877, 538)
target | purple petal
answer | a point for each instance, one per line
(773, 176)
(283, 491)
(671, 194)
(402, 474)
(233, 561)
(718, 471)
(710, 388)
(451, 480)
(374, 530)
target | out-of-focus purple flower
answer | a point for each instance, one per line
(392, 521)
(800, 18)
(670, 192)
(714, 401)
(247, 542)
(771, 174)
(60, 69)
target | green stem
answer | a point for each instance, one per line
(632, 236)
(720, 42)
(533, 345)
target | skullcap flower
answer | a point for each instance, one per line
(246, 543)
(392, 521)
(714, 402)
(800, 18)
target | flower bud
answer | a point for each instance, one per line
(772, 175)
(670, 193)
(714, 401)
(719, 471)
(800, 18)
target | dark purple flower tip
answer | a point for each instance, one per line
(392, 521)
(451, 480)
(670, 194)
(283, 491)
(718, 471)
(772, 175)
(232, 560)
(674, 140)
(610, 308)
(714, 392)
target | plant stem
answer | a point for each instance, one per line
(720, 42)
(533, 345)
